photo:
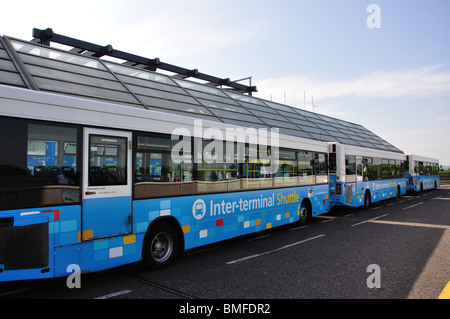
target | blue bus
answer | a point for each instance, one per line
(105, 163)
(422, 173)
(95, 184)
(361, 176)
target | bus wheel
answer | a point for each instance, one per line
(160, 247)
(367, 199)
(305, 212)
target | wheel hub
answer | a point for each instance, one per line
(161, 247)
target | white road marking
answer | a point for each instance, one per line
(115, 294)
(412, 206)
(272, 251)
(366, 221)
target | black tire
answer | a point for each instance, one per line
(367, 199)
(161, 246)
(305, 212)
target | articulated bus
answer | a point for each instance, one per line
(361, 176)
(94, 184)
(422, 173)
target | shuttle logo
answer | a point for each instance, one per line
(199, 209)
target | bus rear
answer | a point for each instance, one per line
(361, 176)
(422, 173)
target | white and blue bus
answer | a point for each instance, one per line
(106, 163)
(94, 184)
(422, 173)
(361, 176)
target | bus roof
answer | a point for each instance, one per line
(82, 73)
(421, 158)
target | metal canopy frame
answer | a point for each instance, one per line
(45, 36)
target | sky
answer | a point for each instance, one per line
(386, 67)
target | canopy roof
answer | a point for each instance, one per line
(84, 72)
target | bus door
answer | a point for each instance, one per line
(107, 182)
(332, 170)
(359, 176)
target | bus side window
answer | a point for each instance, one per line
(156, 173)
(350, 165)
(37, 155)
(305, 167)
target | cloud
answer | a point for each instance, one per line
(418, 82)
(178, 29)
(168, 29)
(442, 118)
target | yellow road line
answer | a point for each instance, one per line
(445, 294)
(409, 224)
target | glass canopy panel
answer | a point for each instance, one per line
(275, 123)
(296, 132)
(56, 54)
(174, 105)
(262, 108)
(311, 129)
(279, 106)
(291, 116)
(232, 115)
(8, 72)
(357, 138)
(56, 71)
(97, 93)
(200, 87)
(11, 78)
(192, 113)
(324, 117)
(268, 115)
(212, 97)
(147, 91)
(245, 98)
(316, 120)
(368, 144)
(302, 122)
(139, 73)
(305, 113)
(245, 124)
(327, 127)
(151, 85)
(79, 85)
(343, 124)
(222, 106)
(149, 88)
(88, 80)
(321, 137)
(348, 141)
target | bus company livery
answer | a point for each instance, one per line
(359, 177)
(75, 192)
(422, 173)
(105, 164)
